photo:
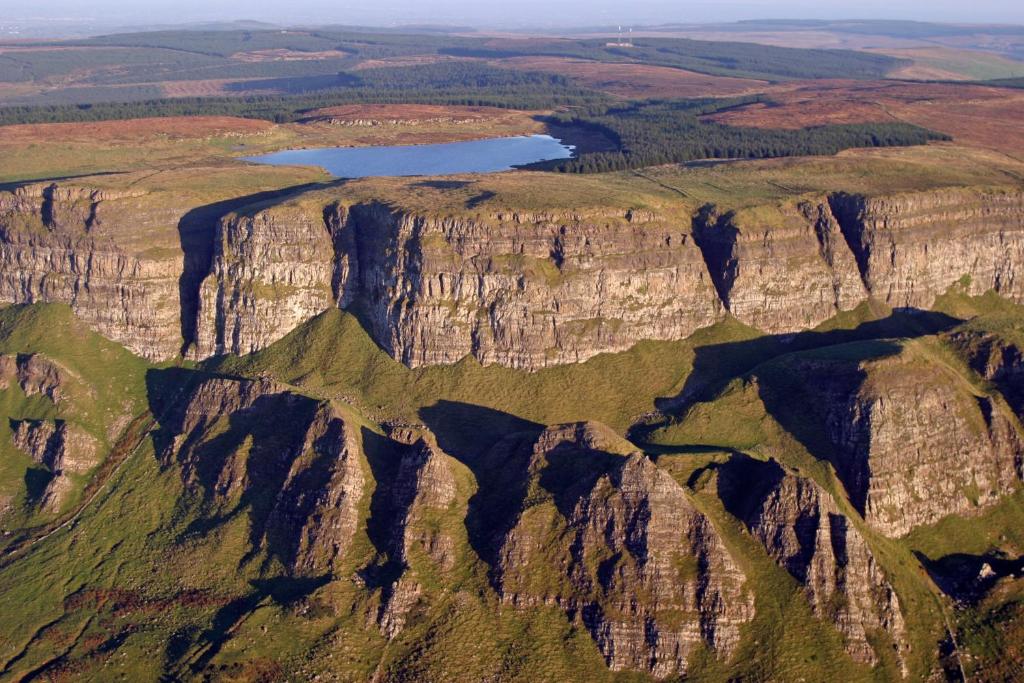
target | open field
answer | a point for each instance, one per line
(949, 64)
(637, 80)
(52, 150)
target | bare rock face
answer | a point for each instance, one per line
(271, 272)
(529, 290)
(910, 440)
(56, 445)
(521, 289)
(803, 530)
(912, 247)
(996, 358)
(62, 449)
(67, 244)
(779, 269)
(422, 492)
(296, 458)
(524, 290)
(617, 543)
(36, 374)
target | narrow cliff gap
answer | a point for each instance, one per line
(716, 235)
(342, 226)
(826, 228)
(46, 208)
(196, 232)
(848, 210)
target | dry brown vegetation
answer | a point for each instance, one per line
(636, 80)
(408, 60)
(132, 130)
(411, 113)
(981, 116)
(285, 55)
(217, 87)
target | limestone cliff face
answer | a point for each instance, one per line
(271, 271)
(529, 290)
(803, 530)
(233, 439)
(69, 245)
(521, 289)
(618, 544)
(910, 439)
(780, 269)
(912, 247)
(524, 290)
(422, 546)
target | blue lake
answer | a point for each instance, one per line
(475, 156)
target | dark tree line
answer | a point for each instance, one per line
(662, 132)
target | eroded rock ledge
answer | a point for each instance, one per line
(521, 289)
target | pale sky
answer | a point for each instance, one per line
(512, 13)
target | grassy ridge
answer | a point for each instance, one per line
(135, 590)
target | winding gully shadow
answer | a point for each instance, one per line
(495, 446)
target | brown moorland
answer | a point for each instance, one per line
(636, 80)
(286, 55)
(411, 113)
(980, 116)
(139, 130)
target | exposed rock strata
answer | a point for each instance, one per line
(62, 449)
(997, 359)
(423, 490)
(912, 247)
(57, 445)
(67, 244)
(35, 374)
(803, 530)
(910, 440)
(617, 542)
(271, 272)
(522, 289)
(788, 273)
(233, 438)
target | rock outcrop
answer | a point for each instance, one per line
(421, 497)
(529, 290)
(56, 445)
(997, 358)
(618, 544)
(60, 448)
(36, 374)
(911, 247)
(909, 438)
(74, 245)
(787, 271)
(803, 530)
(521, 289)
(296, 460)
(271, 271)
